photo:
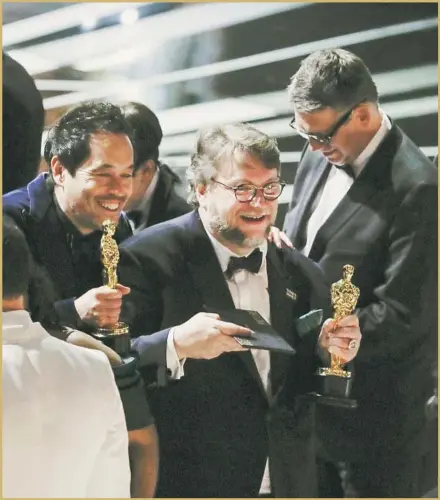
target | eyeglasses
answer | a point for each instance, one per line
(326, 139)
(247, 192)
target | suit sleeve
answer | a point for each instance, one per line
(142, 308)
(110, 476)
(410, 272)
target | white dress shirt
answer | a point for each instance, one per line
(64, 433)
(339, 182)
(242, 285)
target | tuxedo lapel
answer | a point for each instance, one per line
(281, 314)
(210, 282)
(315, 175)
(372, 180)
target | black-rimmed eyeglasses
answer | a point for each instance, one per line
(247, 192)
(326, 139)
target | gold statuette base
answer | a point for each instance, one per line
(117, 329)
(116, 337)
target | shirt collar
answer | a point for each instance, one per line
(223, 253)
(145, 203)
(371, 147)
(18, 326)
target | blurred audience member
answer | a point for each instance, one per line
(23, 122)
(63, 428)
(61, 213)
(365, 195)
(154, 198)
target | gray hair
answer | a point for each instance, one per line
(221, 144)
(332, 78)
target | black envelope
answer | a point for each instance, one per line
(263, 334)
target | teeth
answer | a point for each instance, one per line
(110, 206)
(254, 217)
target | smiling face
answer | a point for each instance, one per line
(239, 226)
(100, 187)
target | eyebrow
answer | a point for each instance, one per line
(107, 166)
(246, 181)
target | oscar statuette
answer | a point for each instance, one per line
(114, 336)
(334, 382)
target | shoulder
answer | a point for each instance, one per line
(162, 235)
(292, 258)
(177, 205)
(16, 200)
(82, 361)
(16, 205)
(411, 170)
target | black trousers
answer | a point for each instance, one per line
(384, 477)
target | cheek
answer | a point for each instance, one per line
(82, 194)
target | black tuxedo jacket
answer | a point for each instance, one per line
(33, 210)
(216, 425)
(386, 226)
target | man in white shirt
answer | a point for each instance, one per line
(365, 195)
(230, 422)
(63, 429)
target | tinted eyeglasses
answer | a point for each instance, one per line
(247, 192)
(326, 139)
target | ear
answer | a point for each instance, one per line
(58, 171)
(150, 166)
(364, 115)
(200, 192)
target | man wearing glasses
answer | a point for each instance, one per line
(230, 422)
(365, 195)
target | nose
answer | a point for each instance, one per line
(319, 146)
(258, 199)
(120, 187)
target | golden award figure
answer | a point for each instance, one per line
(115, 336)
(336, 382)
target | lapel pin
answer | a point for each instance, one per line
(290, 294)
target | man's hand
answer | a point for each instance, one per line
(101, 306)
(278, 237)
(205, 336)
(342, 338)
(81, 339)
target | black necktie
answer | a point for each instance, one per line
(348, 169)
(251, 263)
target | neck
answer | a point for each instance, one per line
(59, 199)
(14, 304)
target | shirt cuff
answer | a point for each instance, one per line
(174, 365)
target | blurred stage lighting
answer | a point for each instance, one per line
(129, 16)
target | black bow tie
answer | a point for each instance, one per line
(251, 263)
(348, 169)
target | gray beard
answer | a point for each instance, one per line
(234, 235)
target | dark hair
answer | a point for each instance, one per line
(333, 78)
(146, 131)
(69, 138)
(16, 260)
(23, 123)
(226, 143)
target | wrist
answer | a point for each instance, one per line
(177, 346)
